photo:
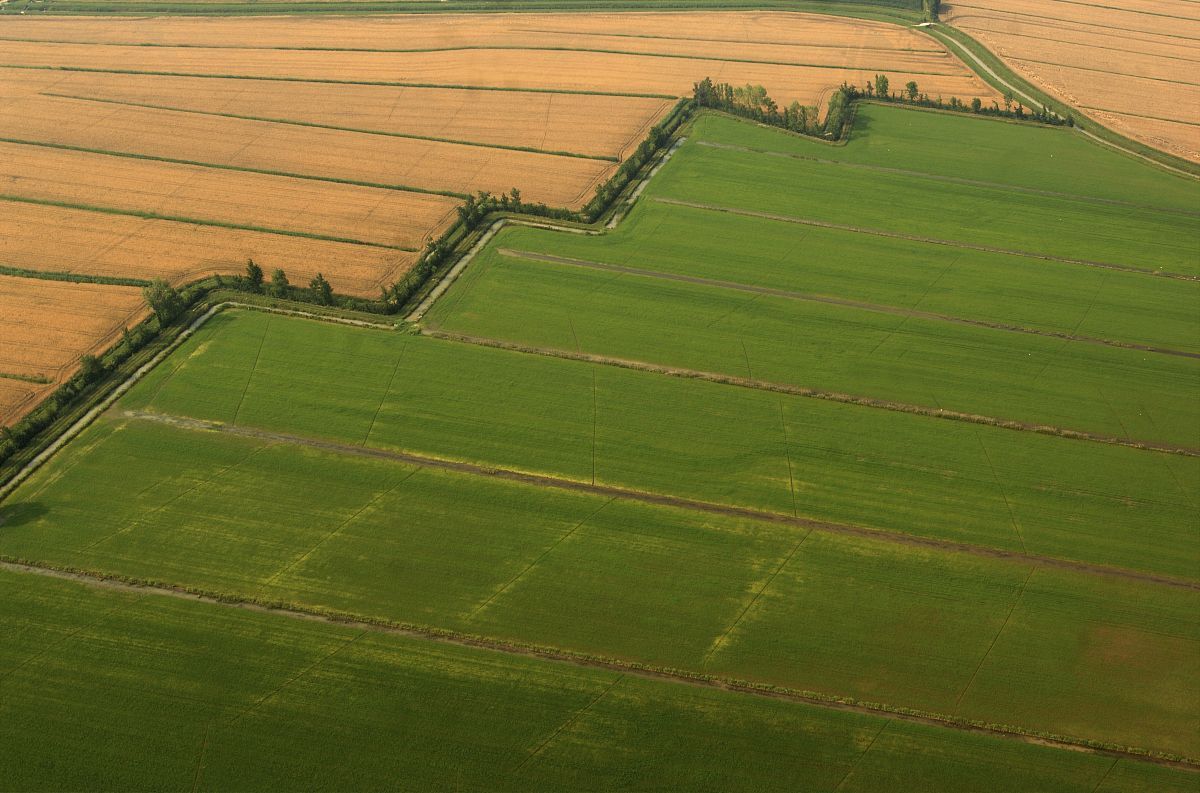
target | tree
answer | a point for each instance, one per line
(279, 283)
(881, 86)
(976, 105)
(164, 300)
(254, 276)
(1008, 100)
(90, 368)
(321, 290)
(910, 88)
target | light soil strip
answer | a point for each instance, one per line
(1127, 268)
(625, 668)
(835, 301)
(645, 497)
(813, 393)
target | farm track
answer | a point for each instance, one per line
(950, 179)
(813, 393)
(895, 235)
(647, 497)
(836, 301)
(555, 655)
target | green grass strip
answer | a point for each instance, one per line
(289, 122)
(195, 221)
(26, 378)
(75, 278)
(236, 168)
(331, 81)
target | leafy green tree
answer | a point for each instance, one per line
(910, 88)
(976, 105)
(164, 299)
(322, 292)
(881, 86)
(90, 368)
(254, 276)
(279, 283)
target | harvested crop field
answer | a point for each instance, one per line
(46, 326)
(98, 243)
(1130, 65)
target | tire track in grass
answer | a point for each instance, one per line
(626, 668)
(1126, 268)
(880, 308)
(1011, 610)
(865, 752)
(567, 724)
(813, 393)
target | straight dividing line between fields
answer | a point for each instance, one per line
(837, 301)
(220, 224)
(991, 645)
(813, 393)
(568, 723)
(336, 128)
(957, 180)
(929, 240)
(647, 497)
(627, 668)
(331, 81)
(534, 48)
(858, 760)
(236, 168)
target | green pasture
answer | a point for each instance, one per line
(106, 689)
(874, 620)
(906, 204)
(718, 443)
(1026, 156)
(1035, 379)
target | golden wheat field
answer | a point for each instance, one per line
(182, 146)
(1130, 64)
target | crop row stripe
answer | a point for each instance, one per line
(547, 654)
(835, 301)
(649, 497)
(1126, 268)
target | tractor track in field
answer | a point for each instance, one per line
(648, 497)
(557, 655)
(814, 393)
(956, 180)
(895, 235)
(837, 301)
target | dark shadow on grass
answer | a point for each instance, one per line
(21, 513)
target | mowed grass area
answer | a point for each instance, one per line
(717, 443)
(926, 324)
(878, 621)
(143, 692)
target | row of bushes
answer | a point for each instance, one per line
(753, 102)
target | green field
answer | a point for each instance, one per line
(689, 438)
(656, 520)
(618, 579)
(156, 693)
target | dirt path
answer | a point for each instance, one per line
(836, 301)
(645, 497)
(813, 393)
(1011, 188)
(1126, 268)
(555, 655)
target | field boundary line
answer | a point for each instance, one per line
(335, 128)
(1128, 268)
(219, 224)
(1011, 610)
(331, 81)
(649, 497)
(958, 180)
(107, 402)
(836, 301)
(814, 393)
(557, 655)
(566, 725)
(235, 168)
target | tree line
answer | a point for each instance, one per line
(753, 102)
